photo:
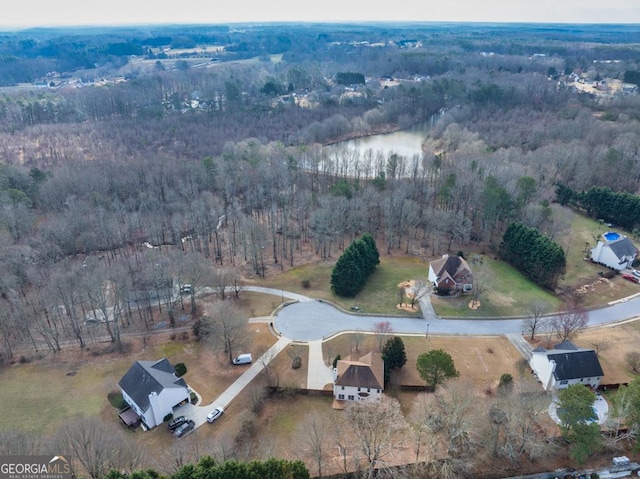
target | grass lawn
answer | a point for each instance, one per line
(481, 360)
(45, 393)
(509, 293)
(582, 275)
(380, 294)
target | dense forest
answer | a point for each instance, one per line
(211, 142)
(138, 164)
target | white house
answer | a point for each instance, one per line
(566, 364)
(615, 251)
(359, 380)
(451, 273)
(152, 389)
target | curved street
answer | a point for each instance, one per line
(311, 320)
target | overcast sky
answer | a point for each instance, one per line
(28, 13)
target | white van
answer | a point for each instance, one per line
(242, 359)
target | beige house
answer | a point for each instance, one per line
(357, 380)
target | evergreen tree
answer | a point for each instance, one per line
(435, 367)
(393, 353)
(354, 266)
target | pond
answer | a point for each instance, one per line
(366, 157)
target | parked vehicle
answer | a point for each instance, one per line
(186, 289)
(631, 277)
(215, 414)
(185, 428)
(176, 422)
(242, 359)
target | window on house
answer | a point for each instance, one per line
(351, 398)
(358, 389)
(368, 390)
(342, 388)
(562, 383)
(340, 396)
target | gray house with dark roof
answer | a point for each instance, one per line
(357, 380)
(566, 364)
(615, 251)
(152, 389)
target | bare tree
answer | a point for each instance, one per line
(381, 330)
(570, 321)
(632, 359)
(313, 438)
(97, 447)
(600, 347)
(222, 279)
(451, 415)
(537, 309)
(224, 327)
(379, 428)
(195, 272)
(14, 443)
(481, 278)
(356, 339)
(527, 432)
(419, 290)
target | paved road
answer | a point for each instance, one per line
(314, 320)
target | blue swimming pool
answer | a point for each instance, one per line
(611, 236)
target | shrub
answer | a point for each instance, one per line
(296, 363)
(168, 417)
(506, 381)
(306, 284)
(24, 360)
(116, 400)
(181, 369)
(194, 397)
(633, 361)
(335, 361)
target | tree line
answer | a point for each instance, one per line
(600, 202)
(535, 255)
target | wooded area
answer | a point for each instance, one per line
(145, 169)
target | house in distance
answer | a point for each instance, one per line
(615, 251)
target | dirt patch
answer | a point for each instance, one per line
(594, 287)
(474, 305)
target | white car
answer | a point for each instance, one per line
(215, 414)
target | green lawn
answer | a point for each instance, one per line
(509, 293)
(380, 294)
(41, 396)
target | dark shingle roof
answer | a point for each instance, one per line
(367, 372)
(454, 267)
(566, 345)
(623, 248)
(576, 364)
(145, 377)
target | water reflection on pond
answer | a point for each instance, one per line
(367, 157)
